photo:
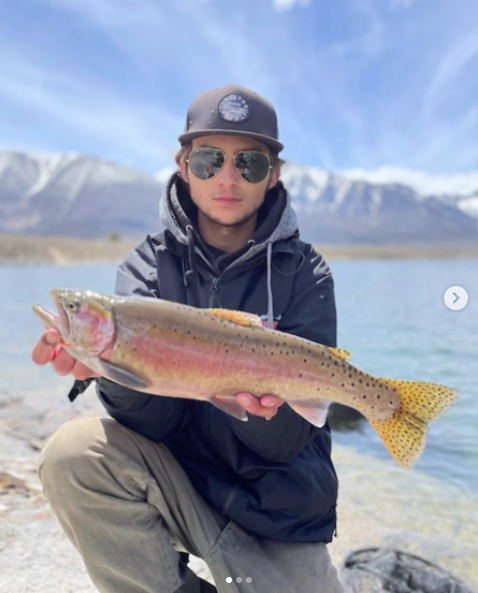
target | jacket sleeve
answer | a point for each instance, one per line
(311, 314)
(157, 418)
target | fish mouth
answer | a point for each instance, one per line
(49, 319)
(63, 319)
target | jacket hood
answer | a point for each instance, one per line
(277, 219)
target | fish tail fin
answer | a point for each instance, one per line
(404, 434)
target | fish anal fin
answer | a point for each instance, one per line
(340, 353)
(228, 404)
(239, 317)
(404, 434)
(314, 411)
(122, 376)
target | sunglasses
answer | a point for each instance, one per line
(252, 165)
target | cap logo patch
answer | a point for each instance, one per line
(234, 108)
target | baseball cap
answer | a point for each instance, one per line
(232, 109)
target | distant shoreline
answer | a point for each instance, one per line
(35, 249)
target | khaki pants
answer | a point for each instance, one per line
(127, 506)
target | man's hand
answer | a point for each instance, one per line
(264, 405)
(48, 349)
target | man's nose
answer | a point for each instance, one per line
(228, 174)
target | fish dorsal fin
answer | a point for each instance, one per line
(343, 354)
(239, 317)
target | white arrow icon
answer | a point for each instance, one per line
(453, 295)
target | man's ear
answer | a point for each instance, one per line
(274, 178)
(183, 170)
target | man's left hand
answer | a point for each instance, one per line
(262, 405)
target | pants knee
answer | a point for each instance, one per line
(68, 453)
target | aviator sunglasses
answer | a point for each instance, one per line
(252, 165)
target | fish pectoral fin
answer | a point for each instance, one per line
(342, 354)
(404, 434)
(314, 411)
(239, 317)
(228, 404)
(122, 376)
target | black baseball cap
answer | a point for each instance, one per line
(232, 109)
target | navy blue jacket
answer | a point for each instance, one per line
(274, 478)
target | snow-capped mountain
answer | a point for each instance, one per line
(365, 207)
(78, 195)
(71, 194)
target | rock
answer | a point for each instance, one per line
(376, 570)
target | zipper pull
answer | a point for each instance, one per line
(214, 284)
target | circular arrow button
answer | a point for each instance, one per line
(456, 298)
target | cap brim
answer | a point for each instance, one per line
(274, 144)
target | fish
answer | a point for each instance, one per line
(170, 349)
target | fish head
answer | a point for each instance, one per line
(86, 320)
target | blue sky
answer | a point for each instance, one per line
(356, 83)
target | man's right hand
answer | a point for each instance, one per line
(48, 349)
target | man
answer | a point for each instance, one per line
(169, 476)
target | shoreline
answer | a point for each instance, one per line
(380, 504)
(64, 251)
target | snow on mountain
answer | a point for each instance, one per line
(379, 208)
(72, 194)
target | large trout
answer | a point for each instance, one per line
(165, 348)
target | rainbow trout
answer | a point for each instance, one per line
(169, 349)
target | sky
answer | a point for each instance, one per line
(357, 84)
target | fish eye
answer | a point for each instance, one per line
(73, 306)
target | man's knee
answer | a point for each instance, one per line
(70, 451)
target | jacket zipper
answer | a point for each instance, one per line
(213, 299)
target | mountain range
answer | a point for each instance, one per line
(83, 196)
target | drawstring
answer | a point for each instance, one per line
(270, 302)
(192, 272)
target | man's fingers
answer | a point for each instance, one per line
(45, 349)
(63, 362)
(255, 405)
(271, 401)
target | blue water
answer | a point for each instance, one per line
(392, 319)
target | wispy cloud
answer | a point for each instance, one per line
(461, 55)
(109, 119)
(286, 4)
(355, 82)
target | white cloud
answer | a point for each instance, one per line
(87, 109)
(461, 184)
(287, 4)
(452, 65)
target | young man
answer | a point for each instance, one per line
(171, 476)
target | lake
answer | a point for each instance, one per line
(393, 320)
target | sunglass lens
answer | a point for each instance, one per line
(252, 165)
(206, 162)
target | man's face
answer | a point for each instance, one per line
(227, 199)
